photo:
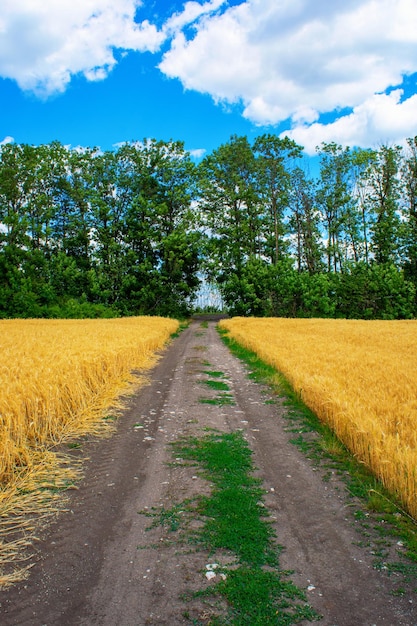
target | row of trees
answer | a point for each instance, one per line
(90, 233)
(343, 243)
(132, 231)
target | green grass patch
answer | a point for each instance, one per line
(217, 385)
(183, 324)
(214, 374)
(173, 519)
(260, 597)
(223, 399)
(74, 445)
(234, 512)
(109, 418)
(320, 444)
(236, 522)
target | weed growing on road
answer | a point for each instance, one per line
(214, 374)
(182, 326)
(224, 399)
(234, 516)
(217, 385)
(172, 518)
(233, 511)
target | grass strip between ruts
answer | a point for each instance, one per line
(235, 521)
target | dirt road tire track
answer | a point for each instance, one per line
(97, 564)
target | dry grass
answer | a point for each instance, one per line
(57, 380)
(357, 376)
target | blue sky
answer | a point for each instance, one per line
(101, 72)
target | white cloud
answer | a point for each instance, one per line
(7, 139)
(190, 13)
(380, 119)
(44, 42)
(297, 59)
(280, 60)
(197, 153)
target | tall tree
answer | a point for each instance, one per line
(231, 206)
(409, 178)
(384, 196)
(275, 157)
(304, 223)
(162, 248)
(334, 200)
(107, 210)
(362, 163)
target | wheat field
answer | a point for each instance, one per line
(59, 380)
(359, 377)
(58, 376)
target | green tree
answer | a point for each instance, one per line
(362, 163)
(384, 196)
(73, 223)
(378, 291)
(230, 203)
(304, 223)
(16, 181)
(107, 213)
(409, 178)
(335, 203)
(161, 241)
(275, 158)
(231, 209)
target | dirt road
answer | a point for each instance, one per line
(97, 564)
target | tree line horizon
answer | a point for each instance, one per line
(91, 233)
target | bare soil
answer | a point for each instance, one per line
(99, 564)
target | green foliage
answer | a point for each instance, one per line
(246, 293)
(74, 309)
(260, 597)
(375, 292)
(384, 198)
(235, 520)
(135, 230)
(214, 373)
(361, 292)
(317, 293)
(86, 233)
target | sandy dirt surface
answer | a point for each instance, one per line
(99, 564)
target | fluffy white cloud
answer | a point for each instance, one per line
(297, 59)
(7, 139)
(381, 119)
(190, 13)
(44, 42)
(281, 60)
(197, 153)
